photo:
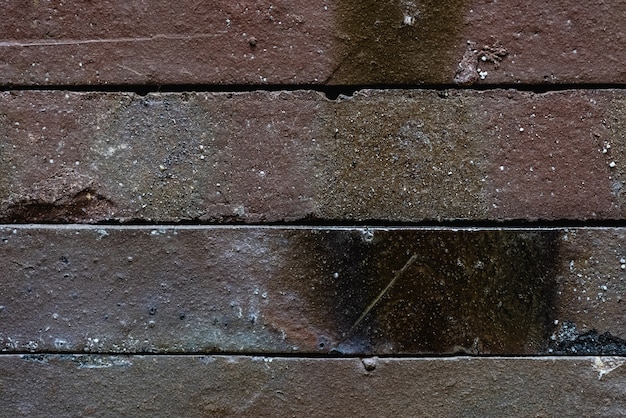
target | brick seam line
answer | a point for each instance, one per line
(311, 356)
(329, 227)
(333, 92)
(330, 224)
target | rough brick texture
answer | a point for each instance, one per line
(172, 253)
(312, 290)
(312, 42)
(271, 156)
(259, 386)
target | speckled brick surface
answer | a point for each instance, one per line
(313, 42)
(312, 208)
(382, 155)
(315, 290)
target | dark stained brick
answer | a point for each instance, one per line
(307, 290)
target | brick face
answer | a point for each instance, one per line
(232, 208)
(277, 290)
(392, 155)
(261, 386)
(313, 42)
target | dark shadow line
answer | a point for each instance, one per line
(332, 92)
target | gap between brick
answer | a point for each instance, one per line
(330, 92)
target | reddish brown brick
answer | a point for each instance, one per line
(312, 42)
(88, 157)
(311, 290)
(552, 155)
(158, 386)
(392, 155)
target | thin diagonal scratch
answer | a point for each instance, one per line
(65, 42)
(384, 291)
(131, 70)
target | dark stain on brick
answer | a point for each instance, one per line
(395, 41)
(488, 291)
(66, 196)
(86, 205)
(568, 341)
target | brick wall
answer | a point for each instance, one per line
(375, 208)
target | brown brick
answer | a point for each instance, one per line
(273, 156)
(311, 290)
(313, 42)
(166, 386)
(552, 155)
(88, 157)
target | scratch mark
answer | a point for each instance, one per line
(384, 291)
(281, 395)
(64, 42)
(305, 108)
(131, 70)
(251, 400)
(354, 51)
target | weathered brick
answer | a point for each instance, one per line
(205, 157)
(92, 385)
(312, 290)
(391, 155)
(312, 42)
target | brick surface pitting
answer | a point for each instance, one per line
(309, 290)
(275, 156)
(313, 42)
(261, 386)
(232, 208)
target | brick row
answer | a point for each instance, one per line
(312, 42)
(107, 289)
(254, 157)
(93, 385)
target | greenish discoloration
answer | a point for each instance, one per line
(154, 151)
(403, 156)
(413, 291)
(397, 41)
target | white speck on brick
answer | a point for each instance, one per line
(408, 20)
(239, 210)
